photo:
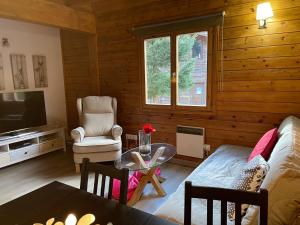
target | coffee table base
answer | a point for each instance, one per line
(148, 177)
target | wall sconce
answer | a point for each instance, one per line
(263, 12)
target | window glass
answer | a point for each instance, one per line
(192, 69)
(158, 70)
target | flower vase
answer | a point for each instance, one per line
(145, 144)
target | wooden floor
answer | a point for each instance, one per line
(19, 179)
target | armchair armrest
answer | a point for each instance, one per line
(78, 134)
(116, 131)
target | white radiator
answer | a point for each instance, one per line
(190, 141)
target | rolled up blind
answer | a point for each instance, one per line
(189, 23)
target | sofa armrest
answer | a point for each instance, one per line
(77, 134)
(116, 132)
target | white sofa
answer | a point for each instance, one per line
(225, 164)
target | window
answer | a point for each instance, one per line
(177, 71)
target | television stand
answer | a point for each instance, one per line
(16, 134)
(30, 143)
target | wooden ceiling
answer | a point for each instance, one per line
(100, 7)
(55, 13)
(83, 5)
(79, 15)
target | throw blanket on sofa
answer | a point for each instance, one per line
(219, 170)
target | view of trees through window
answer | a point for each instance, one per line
(191, 69)
(158, 70)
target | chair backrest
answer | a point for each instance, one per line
(225, 195)
(97, 114)
(105, 171)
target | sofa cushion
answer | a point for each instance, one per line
(218, 170)
(283, 178)
(287, 125)
(265, 145)
(249, 179)
(97, 124)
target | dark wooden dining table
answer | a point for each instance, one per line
(58, 200)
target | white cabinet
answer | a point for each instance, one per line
(23, 153)
(19, 148)
(4, 158)
(51, 145)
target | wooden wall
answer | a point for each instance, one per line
(81, 75)
(261, 68)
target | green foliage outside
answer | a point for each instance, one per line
(159, 64)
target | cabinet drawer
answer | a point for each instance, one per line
(4, 158)
(23, 153)
(53, 144)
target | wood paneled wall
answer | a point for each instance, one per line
(81, 75)
(261, 68)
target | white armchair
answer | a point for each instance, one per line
(98, 137)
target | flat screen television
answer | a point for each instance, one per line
(20, 110)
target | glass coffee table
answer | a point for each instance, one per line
(146, 164)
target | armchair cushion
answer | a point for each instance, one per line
(116, 131)
(98, 124)
(97, 144)
(77, 134)
(96, 104)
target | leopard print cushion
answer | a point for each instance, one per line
(250, 179)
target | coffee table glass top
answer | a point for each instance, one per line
(133, 160)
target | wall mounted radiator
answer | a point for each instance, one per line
(190, 141)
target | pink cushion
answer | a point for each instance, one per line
(265, 145)
(133, 182)
(132, 185)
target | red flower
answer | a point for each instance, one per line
(148, 129)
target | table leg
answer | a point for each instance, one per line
(148, 177)
(138, 191)
(156, 184)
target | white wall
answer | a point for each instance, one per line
(29, 39)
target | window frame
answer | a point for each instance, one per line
(211, 73)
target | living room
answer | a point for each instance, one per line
(156, 94)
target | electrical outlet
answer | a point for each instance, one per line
(131, 137)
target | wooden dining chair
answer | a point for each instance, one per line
(106, 171)
(225, 195)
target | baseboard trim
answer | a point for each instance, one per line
(184, 162)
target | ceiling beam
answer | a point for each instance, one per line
(80, 5)
(102, 6)
(48, 13)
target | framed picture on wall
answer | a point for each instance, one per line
(19, 71)
(2, 83)
(40, 71)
